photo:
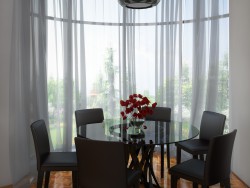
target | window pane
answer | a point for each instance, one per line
(95, 39)
(102, 65)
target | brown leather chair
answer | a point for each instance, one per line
(216, 168)
(212, 124)
(105, 167)
(162, 114)
(50, 161)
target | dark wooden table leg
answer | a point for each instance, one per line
(145, 164)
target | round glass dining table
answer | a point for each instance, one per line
(140, 140)
(151, 132)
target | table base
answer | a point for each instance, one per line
(145, 164)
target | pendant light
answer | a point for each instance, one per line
(138, 4)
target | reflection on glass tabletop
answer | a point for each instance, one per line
(154, 132)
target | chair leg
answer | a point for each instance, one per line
(40, 179)
(226, 183)
(74, 179)
(162, 161)
(173, 181)
(127, 154)
(195, 185)
(47, 175)
(137, 184)
(168, 156)
(178, 155)
(204, 186)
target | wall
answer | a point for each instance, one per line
(5, 43)
(240, 85)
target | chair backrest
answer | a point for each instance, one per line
(103, 167)
(212, 124)
(218, 162)
(160, 114)
(41, 141)
(88, 116)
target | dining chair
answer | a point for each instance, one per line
(88, 116)
(105, 167)
(161, 114)
(216, 168)
(48, 161)
(212, 124)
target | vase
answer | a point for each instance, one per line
(136, 122)
(135, 125)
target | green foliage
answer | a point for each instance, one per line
(104, 94)
(222, 101)
(186, 87)
(223, 86)
(55, 99)
(103, 89)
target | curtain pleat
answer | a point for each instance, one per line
(213, 78)
(206, 60)
(199, 62)
(28, 86)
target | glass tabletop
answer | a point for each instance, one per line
(151, 132)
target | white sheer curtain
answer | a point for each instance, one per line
(100, 52)
(206, 49)
(167, 62)
(96, 58)
(28, 88)
(199, 61)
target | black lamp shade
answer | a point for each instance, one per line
(139, 4)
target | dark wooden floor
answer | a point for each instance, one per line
(63, 179)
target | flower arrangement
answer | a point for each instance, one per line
(136, 107)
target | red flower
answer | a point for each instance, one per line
(122, 113)
(136, 106)
(140, 116)
(147, 110)
(122, 103)
(145, 100)
(154, 104)
(150, 111)
(127, 111)
(131, 100)
(131, 109)
(127, 102)
(135, 115)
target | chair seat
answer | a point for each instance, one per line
(60, 161)
(195, 146)
(190, 169)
